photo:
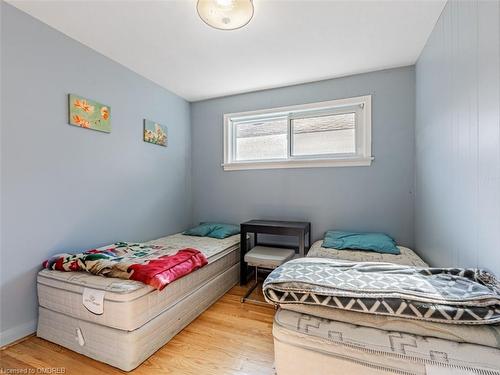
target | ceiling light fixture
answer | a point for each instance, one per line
(225, 14)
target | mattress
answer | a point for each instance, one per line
(407, 256)
(128, 304)
(487, 334)
(307, 344)
(128, 349)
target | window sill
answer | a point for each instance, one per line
(311, 163)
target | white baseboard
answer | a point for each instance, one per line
(18, 332)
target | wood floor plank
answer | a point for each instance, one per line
(230, 338)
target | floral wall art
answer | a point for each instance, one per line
(155, 133)
(87, 113)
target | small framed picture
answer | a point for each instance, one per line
(89, 114)
(155, 133)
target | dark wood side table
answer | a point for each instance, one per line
(282, 228)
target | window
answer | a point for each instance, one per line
(325, 134)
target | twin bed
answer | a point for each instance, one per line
(136, 319)
(322, 340)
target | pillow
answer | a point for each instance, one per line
(378, 242)
(201, 230)
(224, 230)
(213, 230)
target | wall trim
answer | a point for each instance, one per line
(18, 332)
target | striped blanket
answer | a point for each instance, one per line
(445, 295)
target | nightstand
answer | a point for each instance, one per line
(299, 229)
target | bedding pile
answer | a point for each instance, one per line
(444, 295)
(150, 264)
(371, 313)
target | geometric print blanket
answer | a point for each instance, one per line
(150, 264)
(444, 295)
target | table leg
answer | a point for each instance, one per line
(309, 240)
(243, 250)
(302, 246)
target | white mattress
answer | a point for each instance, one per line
(306, 344)
(407, 256)
(126, 350)
(485, 334)
(130, 304)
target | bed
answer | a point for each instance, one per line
(323, 340)
(136, 319)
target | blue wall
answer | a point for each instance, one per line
(375, 198)
(66, 188)
(458, 138)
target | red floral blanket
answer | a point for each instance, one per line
(150, 264)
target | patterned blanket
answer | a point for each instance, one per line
(147, 263)
(445, 295)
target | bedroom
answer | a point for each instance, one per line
(249, 119)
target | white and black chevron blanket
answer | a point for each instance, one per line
(445, 295)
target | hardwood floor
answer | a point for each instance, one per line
(228, 338)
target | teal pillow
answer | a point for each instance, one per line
(201, 230)
(378, 242)
(213, 230)
(224, 230)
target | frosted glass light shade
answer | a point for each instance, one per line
(225, 14)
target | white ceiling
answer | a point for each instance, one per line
(287, 42)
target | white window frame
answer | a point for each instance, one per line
(362, 157)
